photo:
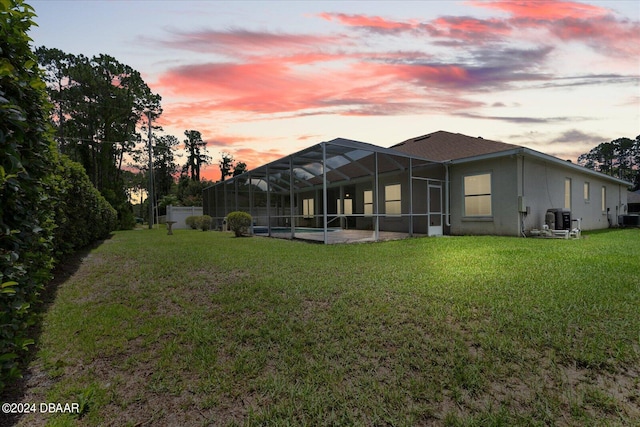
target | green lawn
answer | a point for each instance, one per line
(201, 328)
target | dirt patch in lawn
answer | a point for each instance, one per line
(137, 385)
(35, 378)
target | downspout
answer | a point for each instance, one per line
(447, 222)
(522, 215)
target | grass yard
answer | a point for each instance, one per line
(201, 328)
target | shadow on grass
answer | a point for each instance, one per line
(15, 392)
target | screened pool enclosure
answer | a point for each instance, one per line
(337, 191)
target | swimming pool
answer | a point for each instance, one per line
(263, 229)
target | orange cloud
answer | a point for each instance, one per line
(222, 78)
(253, 159)
(339, 83)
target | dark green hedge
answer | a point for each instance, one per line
(26, 219)
(82, 215)
(47, 204)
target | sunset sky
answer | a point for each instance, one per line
(264, 79)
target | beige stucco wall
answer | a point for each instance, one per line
(356, 191)
(542, 184)
(504, 220)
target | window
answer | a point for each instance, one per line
(587, 192)
(477, 195)
(368, 202)
(393, 199)
(567, 193)
(348, 206)
(604, 199)
(307, 208)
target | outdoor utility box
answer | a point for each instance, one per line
(561, 219)
(629, 220)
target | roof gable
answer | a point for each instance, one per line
(454, 148)
(442, 146)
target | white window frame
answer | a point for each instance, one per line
(603, 204)
(469, 196)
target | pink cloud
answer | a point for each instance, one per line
(375, 23)
(605, 34)
(221, 78)
(544, 10)
(595, 26)
(451, 27)
(268, 73)
(468, 29)
(384, 85)
(566, 20)
(239, 42)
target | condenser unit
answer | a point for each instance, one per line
(558, 219)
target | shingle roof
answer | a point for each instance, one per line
(442, 146)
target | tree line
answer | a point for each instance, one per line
(619, 157)
(102, 110)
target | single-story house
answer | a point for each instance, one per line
(439, 183)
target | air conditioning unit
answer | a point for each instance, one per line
(629, 220)
(558, 219)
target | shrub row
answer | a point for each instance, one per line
(48, 206)
(202, 222)
(82, 215)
